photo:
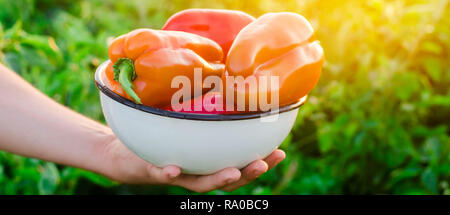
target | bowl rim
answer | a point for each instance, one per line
(182, 115)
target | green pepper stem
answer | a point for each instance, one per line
(125, 74)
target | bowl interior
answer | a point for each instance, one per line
(103, 86)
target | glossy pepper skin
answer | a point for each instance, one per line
(144, 62)
(277, 44)
(222, 26)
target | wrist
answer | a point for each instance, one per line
(118, 163)
(104, 162)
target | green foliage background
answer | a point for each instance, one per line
(378, 121)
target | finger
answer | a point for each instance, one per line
(275, 158)
(252, 171)
(249, 173)
(208, 183)
(163, 175)
(171, 172)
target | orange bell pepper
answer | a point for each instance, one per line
(222, 26)
(276, 44)
(144, 62)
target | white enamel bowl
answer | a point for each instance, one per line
(197, 143)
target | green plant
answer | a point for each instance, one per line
(378, 121)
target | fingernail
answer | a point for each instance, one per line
(257, 173)
(229, 181)
(172, 175)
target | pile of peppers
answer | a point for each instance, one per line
(223, 43)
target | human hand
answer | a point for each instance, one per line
(60, 135)
(124, 166)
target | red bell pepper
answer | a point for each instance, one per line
(209, 103)
(222, 26)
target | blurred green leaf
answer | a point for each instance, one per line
(432, 47)
(429, 179)
(433, 68)
(72, 173)
(409, 85)
(325, 138)
(49, 179)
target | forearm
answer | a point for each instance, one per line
(33, 125)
